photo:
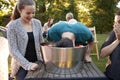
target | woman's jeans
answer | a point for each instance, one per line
(21, 74)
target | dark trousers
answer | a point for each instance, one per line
(21, 74)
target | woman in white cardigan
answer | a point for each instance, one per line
(24, 36)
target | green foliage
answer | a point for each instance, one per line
(56, 9)
(103, 15)
(99, 13)
(4, 20)
(6, 7)
(84, 8)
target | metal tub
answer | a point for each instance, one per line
(63, 58)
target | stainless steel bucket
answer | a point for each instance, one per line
(67, 58)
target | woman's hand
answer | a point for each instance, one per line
(34, 66)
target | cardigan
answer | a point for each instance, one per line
(17, 41)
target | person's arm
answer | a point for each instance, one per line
(91, 45)
(45, 27)
(106, 51)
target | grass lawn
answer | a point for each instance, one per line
(101, 62)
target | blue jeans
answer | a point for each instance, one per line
(21, 74)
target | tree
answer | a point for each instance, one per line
(56, 9)
(103, 15)
(6, 7)
(99, 13)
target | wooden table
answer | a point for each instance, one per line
(89, 72)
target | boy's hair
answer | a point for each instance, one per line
(65, 42)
